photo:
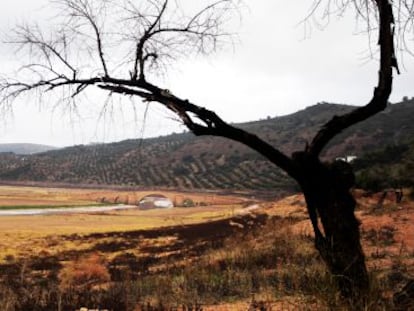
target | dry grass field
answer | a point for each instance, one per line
(22, 196)
(225, 255)
(24, 235)
(15, 196)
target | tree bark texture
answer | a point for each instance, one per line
(326, 188)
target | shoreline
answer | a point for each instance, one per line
(63, 210)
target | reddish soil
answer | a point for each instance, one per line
(387, 231)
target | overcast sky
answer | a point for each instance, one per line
(273, 70)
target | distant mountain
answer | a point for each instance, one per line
(25, 148)
(187, 161)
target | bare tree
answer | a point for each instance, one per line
(154, 34)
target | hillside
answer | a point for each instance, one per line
(186, 161)
(25, 148)
(390, 167)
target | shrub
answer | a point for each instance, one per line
(84, 272)
(188, 203)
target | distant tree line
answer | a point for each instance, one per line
(391, 167)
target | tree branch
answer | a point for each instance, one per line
(83, 9)
(33, 39)
(381, 92)
(212, 124)
(139, 54)
(195, 31)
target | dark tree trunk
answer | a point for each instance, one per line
(327, 193)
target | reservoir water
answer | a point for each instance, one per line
(64, 210)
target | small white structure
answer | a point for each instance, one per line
(155, 201)
(347, 159)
